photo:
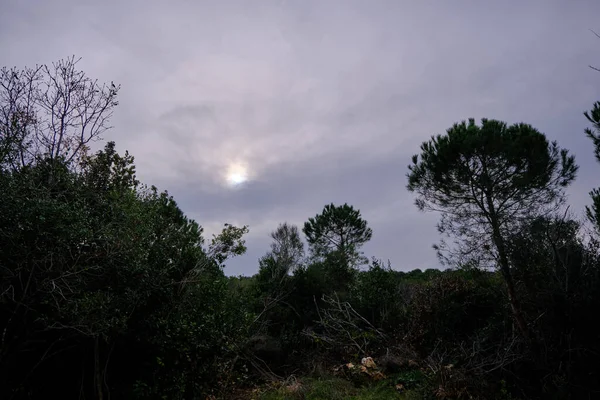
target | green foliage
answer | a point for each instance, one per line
(593, 133)
(92, 261)
(332, 389)
(451, 308)
(560, 276)
(410, 379)
(380, 294)
(486, 179)
(593, 116)
(338, 229)
(287, 248)
(329, 389)
(229, 243)
(285, 256)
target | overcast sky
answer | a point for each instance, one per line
(321, 101)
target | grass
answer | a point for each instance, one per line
(335, 389)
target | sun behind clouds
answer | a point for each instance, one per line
(236, 175)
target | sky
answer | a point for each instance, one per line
(317, 101)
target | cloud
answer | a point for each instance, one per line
(324, 101)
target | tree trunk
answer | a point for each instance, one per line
(97, 370)
(513, 300)
(515, 305)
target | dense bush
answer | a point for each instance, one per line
(101, 275)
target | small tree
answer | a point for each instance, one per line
(287, 248)
(275, 282)
(51, 111)
(286, 255)
(486, 181)
(339, 229)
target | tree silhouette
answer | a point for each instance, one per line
(486, 181)
(593, 211)
(339, 229)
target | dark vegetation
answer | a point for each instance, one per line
(108, 291)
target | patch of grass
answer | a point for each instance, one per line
(382, 391)
(314, 389)
(335, 389)
(275, 395)
(410, 379)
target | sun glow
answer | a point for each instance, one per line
(236, 175)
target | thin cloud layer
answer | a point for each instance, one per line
(323, 101)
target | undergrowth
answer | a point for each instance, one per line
(335, 389)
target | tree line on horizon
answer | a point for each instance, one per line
(107, 289)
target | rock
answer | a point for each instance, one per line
(368, 362)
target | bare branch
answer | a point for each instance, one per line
(51, 111)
